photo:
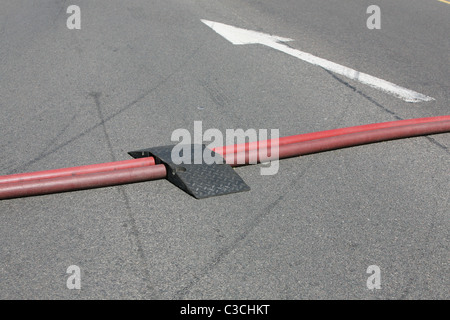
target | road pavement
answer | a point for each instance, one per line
(137, 70)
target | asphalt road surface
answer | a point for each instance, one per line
(137, 70)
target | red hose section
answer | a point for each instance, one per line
(81, 182)
(78, 178)
(337, 142)
(64, 172)
(325, 134)
(134, 163)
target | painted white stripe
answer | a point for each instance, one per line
(239, 36)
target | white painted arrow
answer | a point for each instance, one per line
(239, 36)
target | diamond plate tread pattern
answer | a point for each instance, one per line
(200, 180)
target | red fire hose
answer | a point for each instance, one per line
(81, 182)
(340, 141)
(327, 133)
(143, 169)
(66, 172)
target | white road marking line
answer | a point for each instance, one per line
(239, 36)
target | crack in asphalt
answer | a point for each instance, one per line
(379, 105)
(226, 250)
(108, 118)
(44, 152)
(133, 232)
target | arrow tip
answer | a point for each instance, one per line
(240, 36)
